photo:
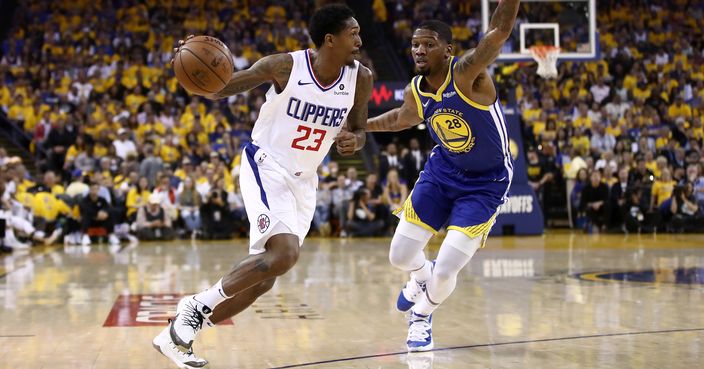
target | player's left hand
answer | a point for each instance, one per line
(346, 143)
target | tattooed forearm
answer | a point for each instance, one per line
(234, 87)
(357, 117)
(500, 28)
(273, 68)
(387, 122)
(504, 16)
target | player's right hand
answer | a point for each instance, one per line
(176, 49)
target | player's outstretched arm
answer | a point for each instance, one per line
(407, 116)
(475, 61)
(354, 137)
(272, 68)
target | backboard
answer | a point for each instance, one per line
(568, 24)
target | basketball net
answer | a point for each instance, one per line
(546, 56)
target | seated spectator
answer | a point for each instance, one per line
(167, 195)
(237, 210)
(215, 213)
(633, 211)
(395, 191)
(618, 197)
(581, 182)
(694, 176)
(685, 210)
(394, 195)
(152, 221)
(352, 182)
(662, 190)
(137, 197)
(341, 196)
(361, 216)
(189, 202)
(593, 202)
(321, 217)
(95, 214)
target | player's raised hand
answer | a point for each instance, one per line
(346, 143)
(180, 43)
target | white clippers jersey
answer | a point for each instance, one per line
(297, 126)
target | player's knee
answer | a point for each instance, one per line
(443, 275)
(399, 259)
(284, 252)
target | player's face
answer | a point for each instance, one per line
(348, 41)
(429, 51)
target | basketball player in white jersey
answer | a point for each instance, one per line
(314, 94)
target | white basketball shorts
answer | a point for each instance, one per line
(276, 201)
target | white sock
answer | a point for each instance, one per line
(424, 307)
(424, 273)
(213, 296)
(455, 252)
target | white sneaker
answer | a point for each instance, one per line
(14, 243)
(182, 359)
(420, 333)
(190, 316)
(85, 241)
(113, 240)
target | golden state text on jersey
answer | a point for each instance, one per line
(470, 136)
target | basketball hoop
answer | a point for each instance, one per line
(546, 56)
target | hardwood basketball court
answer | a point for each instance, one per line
(557, 301)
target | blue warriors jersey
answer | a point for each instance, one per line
(468, 173)
(471, 136)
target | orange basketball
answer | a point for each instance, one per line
(203, 65)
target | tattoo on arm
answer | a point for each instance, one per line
(490, 45)
(504, 16)
(357, 117)
(387, 122)
(273, 68)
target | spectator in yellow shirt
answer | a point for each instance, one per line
(662, 189)
(679, 110)
(137, 197)
(583, 119)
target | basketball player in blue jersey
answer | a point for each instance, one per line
(318, 97)
(468, 173)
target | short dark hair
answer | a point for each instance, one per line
(328, 19)
(443, 29)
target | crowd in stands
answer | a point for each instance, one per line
(617, 141)
(622, 136)
(124, 152)
(89, 81)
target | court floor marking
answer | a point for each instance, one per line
(494, 344)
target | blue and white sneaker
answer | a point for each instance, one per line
(410, 293)
(420, 333)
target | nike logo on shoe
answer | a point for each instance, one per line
(300, 83)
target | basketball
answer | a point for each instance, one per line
(203, 65)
